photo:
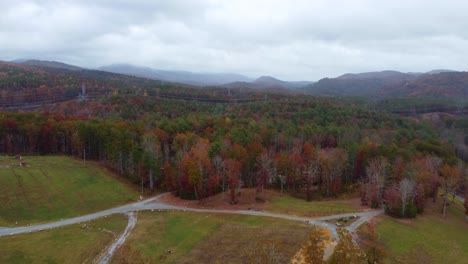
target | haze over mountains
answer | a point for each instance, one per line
(382, 84)
(199, 79)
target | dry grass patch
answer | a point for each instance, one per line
(212, 238)
(273, 202)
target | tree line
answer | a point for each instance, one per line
(306, 147)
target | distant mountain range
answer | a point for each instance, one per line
(383, 84)
(230, 80)
(198, 79)
(268, 82)
(51, 64)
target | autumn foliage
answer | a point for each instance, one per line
(309, 147)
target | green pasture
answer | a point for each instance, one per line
(54, 187)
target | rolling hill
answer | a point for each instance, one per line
(51, 64)
(362, 84)
(393, 84)
(30, 86)
(440, 85)
(269, 83)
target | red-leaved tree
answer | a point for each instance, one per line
(233, 168)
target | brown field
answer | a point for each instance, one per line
(274, 201)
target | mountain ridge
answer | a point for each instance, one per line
(437, 83)
(46, 63)
(386, 84)
(187, 77)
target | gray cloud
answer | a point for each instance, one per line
(293, 40)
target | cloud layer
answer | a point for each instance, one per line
(293, 40)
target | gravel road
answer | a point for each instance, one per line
(155, 204)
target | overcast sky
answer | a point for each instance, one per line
(291, 40)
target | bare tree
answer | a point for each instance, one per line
(374, 186)
(218, 163)
(266, 170)
(311, 171)
(407, 193)
(151, 155)
(433, 163)
(332, 163)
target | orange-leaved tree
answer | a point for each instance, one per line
(450, 178)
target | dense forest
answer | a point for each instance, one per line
(23, 86)
(198, 142)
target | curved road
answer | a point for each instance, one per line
(155, 204)
(143, 205)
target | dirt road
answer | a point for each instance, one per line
(155, 204)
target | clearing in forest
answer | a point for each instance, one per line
(48, 188)
(273, 201)
(428, 236)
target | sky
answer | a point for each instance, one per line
(291, 40)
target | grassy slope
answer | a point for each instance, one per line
(54, 187)
(446, 240)
(206, 238)
(69, 244)
(290, 205)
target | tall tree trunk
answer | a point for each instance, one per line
(444, 208)
(233, 194)
(282, 183)
(223, 189)
(260, 184)
(120, 162)
(309, 189)
(466, 204)
(151, 179)
(196, 193)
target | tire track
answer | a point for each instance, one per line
(117, 243)
(20, 187)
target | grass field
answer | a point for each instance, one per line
(445, 240)
(54, 187)
(290, 205)
(69, 244)
(208, 238)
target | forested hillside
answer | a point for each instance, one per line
(198, 142)
(24, 86)
(392, 84)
